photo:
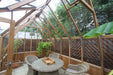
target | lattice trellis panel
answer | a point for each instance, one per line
(108, 53)
(65, 47)
(76, 48)
(91, 52)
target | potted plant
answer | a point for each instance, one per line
(43, 47)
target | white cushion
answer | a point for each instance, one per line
(71, 70)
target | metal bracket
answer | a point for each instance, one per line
(10, 64)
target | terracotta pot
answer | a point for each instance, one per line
(15, 64)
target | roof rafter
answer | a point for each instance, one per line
(18, 9)
(47, 29)
(48, 21)
(19, 4)
(47, 34)
(19, 21)
(59, 22)
(5, 20)
(38, 28)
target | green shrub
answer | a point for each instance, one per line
(43, 46)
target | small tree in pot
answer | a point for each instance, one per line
(43, 47)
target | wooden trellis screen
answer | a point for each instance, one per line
(90, 49)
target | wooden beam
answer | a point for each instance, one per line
(71, 3)
(35, 26)
(19, 21)
(59, 22)
(72, 19)
(40, 30)
(48, 21)
(0, 46)
(19, 4)
(47, 29)
(69, 51)
(11, 43)
(99, 39)
(0, 52)
(82, 45)
(24, 43)
(5, 20)
(42, 34)
(22, 26)
(61, 48)
(31, 41)
(18, 9)
(87, 5)
(47, 34)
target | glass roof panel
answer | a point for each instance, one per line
(5, 3)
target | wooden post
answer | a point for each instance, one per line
(16, 48)
(31, 42)
(98, 39)
(59, 22)
(81, 39)
(19, 21)
(72, 19)
(37, 40)
(69, 51)
(11, 43)
(61, 48)
(24, 43)
(0, 52)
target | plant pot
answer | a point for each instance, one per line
(15, 64)
(44, 54)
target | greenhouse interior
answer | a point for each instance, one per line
(56, 37)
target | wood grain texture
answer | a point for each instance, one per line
(19, 4)
(5, 20)
(11, 43)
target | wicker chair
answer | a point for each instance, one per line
(54, 55)
(29, 59)
(79, 69)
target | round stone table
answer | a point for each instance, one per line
(44, 69)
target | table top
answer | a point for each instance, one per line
(40, 66)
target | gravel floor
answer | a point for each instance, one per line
(22, 70)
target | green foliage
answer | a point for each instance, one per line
(43, 46)
(17, 43)
(105, 28)
(82, 16)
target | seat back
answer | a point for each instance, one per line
(80, 68)
(30, 58)
(54, 55)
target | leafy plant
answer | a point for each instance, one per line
(105, 28)
(17, 43)
(43, 46)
